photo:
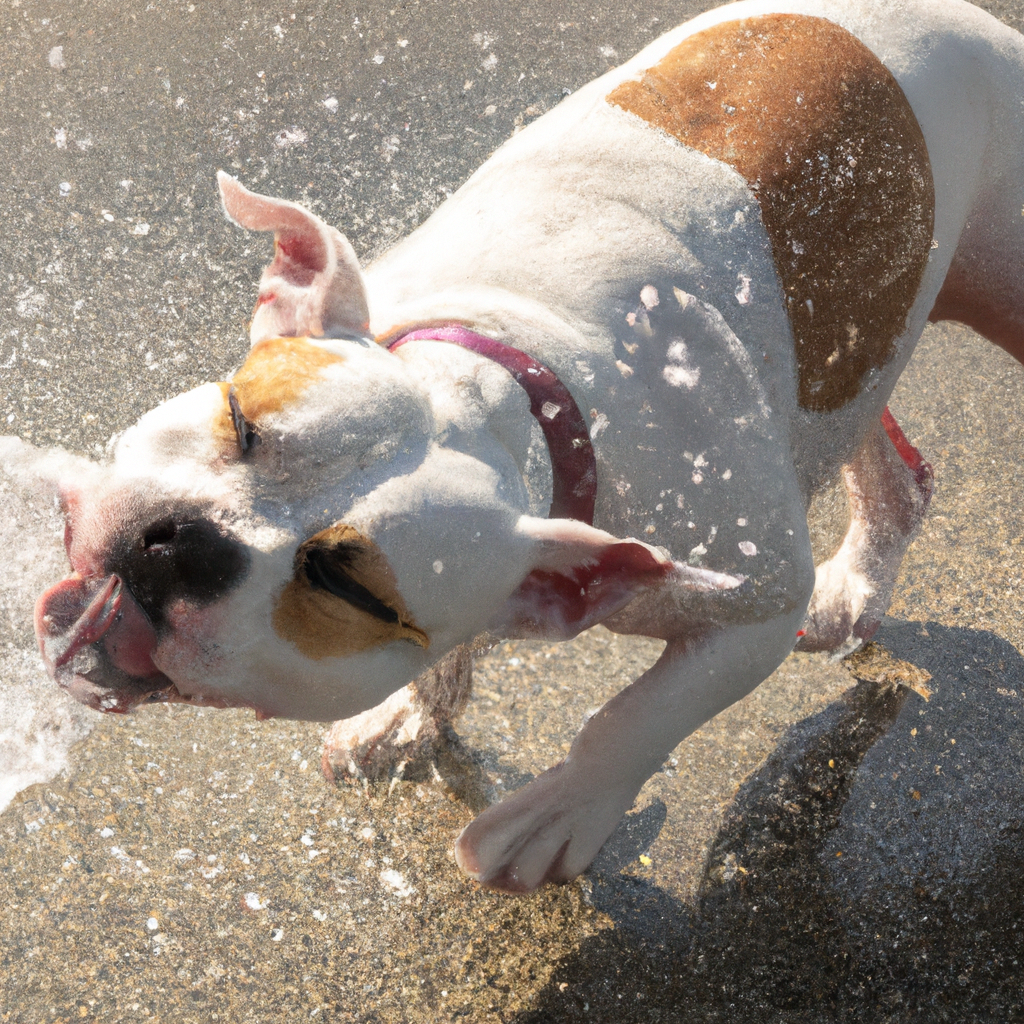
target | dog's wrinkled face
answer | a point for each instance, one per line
(227, 556)
(310, 536)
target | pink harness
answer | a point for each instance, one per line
(573, 468)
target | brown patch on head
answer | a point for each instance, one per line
(343, 598)
(275, 374)
(831, 148)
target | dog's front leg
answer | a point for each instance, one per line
(404, 728)
(553, 828)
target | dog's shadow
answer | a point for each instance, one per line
(872, 870)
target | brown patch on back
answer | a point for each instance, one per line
(831, 148)
(322, 625)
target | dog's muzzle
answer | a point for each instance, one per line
(98, 644)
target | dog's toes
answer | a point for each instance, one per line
(838, 623)
(865, 628)
(521, 870)
(549, 831)
(374, 744)
(838, 608)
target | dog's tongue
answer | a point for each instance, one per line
(87, 626)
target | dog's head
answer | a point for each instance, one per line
(311, 535)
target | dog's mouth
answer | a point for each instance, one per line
(98, 644)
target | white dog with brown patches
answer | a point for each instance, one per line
(671, 309)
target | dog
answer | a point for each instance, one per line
(601, 384)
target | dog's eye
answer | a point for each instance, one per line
(247, 434)
(330, 569)
(342, 598)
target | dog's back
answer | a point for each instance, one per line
(599, 200)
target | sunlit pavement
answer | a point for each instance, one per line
(828, 850)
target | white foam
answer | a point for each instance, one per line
(38, 723)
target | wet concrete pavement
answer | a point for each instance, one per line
(827, 850)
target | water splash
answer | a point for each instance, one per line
(38, 723)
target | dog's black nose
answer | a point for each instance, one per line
(178, 556)
(159, 535)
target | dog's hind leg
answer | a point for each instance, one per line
(888, 486)
(404, 729)
(975, 135)
(984, 286)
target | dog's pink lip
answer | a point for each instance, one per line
(117, 700)
(59, 646)
(123, 700)
(93, 626)
(88, 611)
(111, 616)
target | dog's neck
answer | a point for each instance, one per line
(571, 455)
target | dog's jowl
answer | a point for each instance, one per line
(600, 385)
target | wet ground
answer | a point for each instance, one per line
(830, 849)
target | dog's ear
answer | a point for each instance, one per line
(45, 475)
(580, 576)
(313, 288)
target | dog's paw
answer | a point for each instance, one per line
(548, 831)
(405, 733)
(842, 614)
(380, 741)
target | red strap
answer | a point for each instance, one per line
(907, 452)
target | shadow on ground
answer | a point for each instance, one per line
(873, 870)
